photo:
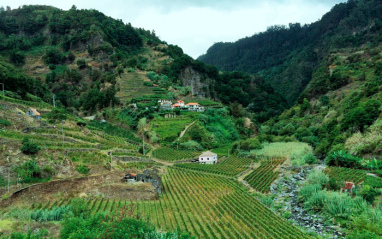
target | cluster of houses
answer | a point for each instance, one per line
(168, 105)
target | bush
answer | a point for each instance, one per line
(81, 64)
(29, 147)
(4, 122)
(310, 159)
(246, 145)
(191, 145)
(307, 190)
(80, 208)
(28, 172)
(368, 193)
(317, 177)
(333, 184)
(373, 181)
(82, 169)
(316, 201)
(57, 114)
(343, 159)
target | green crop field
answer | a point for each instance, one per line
(169, 129)
(231, 166)
(168, 154)
(262, 178)
(346, 174)
(205, 205)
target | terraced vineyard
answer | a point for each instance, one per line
(169, 129)
(168, 154)
(346, 174)
(231, 166)
(205, 205)
(262, 178)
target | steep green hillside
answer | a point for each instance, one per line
(90, 61)
(288, 57)
(341, 108)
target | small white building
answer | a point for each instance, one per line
(208, 158)
(195, 107)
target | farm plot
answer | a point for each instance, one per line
(346, 174)
(168, 154)
(169, 129)
(231, 166)
(207, 206)
(262, 178)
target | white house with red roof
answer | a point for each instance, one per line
(195, 107)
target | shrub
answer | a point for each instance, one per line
(310, 159)
(333, 184)
(4, 122)
(342, 205)
(316, 201)
(368, 193)
(191, 145)
(28, 172)
(317, 177)
(307, 190)
(57, 114)
(29, 147)
(80, 208)
(373, 181)
(82, 169)
(343, 159)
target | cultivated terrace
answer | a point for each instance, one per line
(107, 131)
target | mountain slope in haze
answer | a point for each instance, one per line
(288, 56)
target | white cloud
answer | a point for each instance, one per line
(196, 25)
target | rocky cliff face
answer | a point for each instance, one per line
(199, 83)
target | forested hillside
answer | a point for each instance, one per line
(85, 57)
(287, 57)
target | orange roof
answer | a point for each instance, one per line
(192, 104)
(176, 105)
(180, 101)
(133, 174)
(348, 185)
(35, 111)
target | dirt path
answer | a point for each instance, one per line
(185, 130)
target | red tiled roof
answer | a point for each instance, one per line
(192, 104)
(35, 111)
(348, 185)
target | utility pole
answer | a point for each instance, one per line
(143, 142)
(3, 88)
(54, 102)
(62, 128)
(9, 178)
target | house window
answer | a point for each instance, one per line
(208, 158)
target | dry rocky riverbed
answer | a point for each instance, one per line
(286, 203)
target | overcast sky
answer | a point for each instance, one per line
(195, 25)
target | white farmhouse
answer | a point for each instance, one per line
(208, 158)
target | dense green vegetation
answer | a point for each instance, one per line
(355, 213)
(289, 56)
